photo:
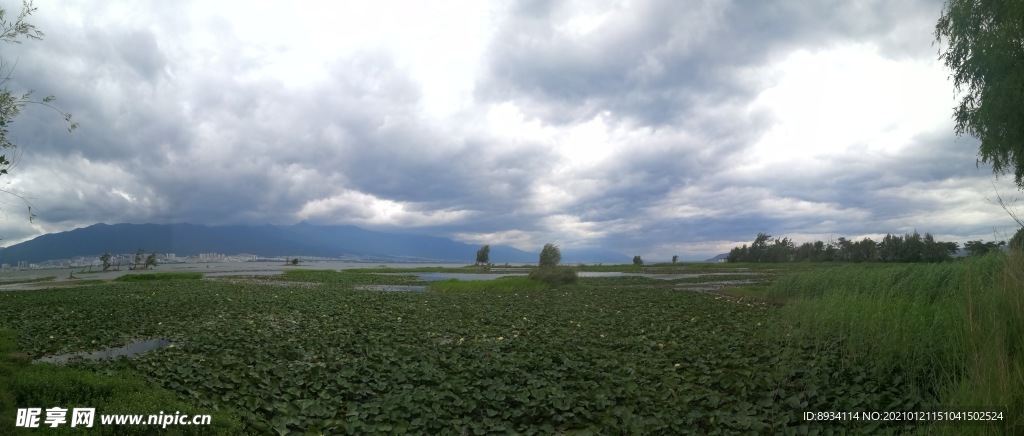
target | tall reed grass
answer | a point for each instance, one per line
(994, 352)
(954, 332)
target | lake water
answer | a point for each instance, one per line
(272, 268)
(219, 269)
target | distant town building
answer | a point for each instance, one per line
(211, 257)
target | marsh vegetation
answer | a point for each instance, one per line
(325, 351)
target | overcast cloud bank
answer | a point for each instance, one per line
(647, 127)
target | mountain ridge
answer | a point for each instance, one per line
(302, 239)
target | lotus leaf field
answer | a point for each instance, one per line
(307, 351)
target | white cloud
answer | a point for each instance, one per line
(847, 98)
(364, 209)
(572, 230)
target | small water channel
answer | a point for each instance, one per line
(435, 276)
(109, 353)
(391, 288)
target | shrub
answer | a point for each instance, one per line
(555, 276)
(550, 256)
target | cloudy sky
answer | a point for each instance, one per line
(647, 127)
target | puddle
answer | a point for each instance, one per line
(391, 288)
(110, 353)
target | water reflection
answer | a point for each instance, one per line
(109, 353)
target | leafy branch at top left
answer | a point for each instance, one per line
(12, 103)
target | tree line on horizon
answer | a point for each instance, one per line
(910, 247)
(140, 258)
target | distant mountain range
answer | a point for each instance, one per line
(718, 258)
(267, 240)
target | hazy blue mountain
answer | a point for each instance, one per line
(718, 258)
(295, 240)
(181, 239)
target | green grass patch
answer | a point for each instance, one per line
(21, 281)
(346, 279)
(24, 385)
(160, 276)
(82, 282)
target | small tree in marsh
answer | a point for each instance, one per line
(150, 260)
(483, 255)
(675, 258)
(549, 271)
(105, 260)
(138, 258)
(638, 261)
(550, 256)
